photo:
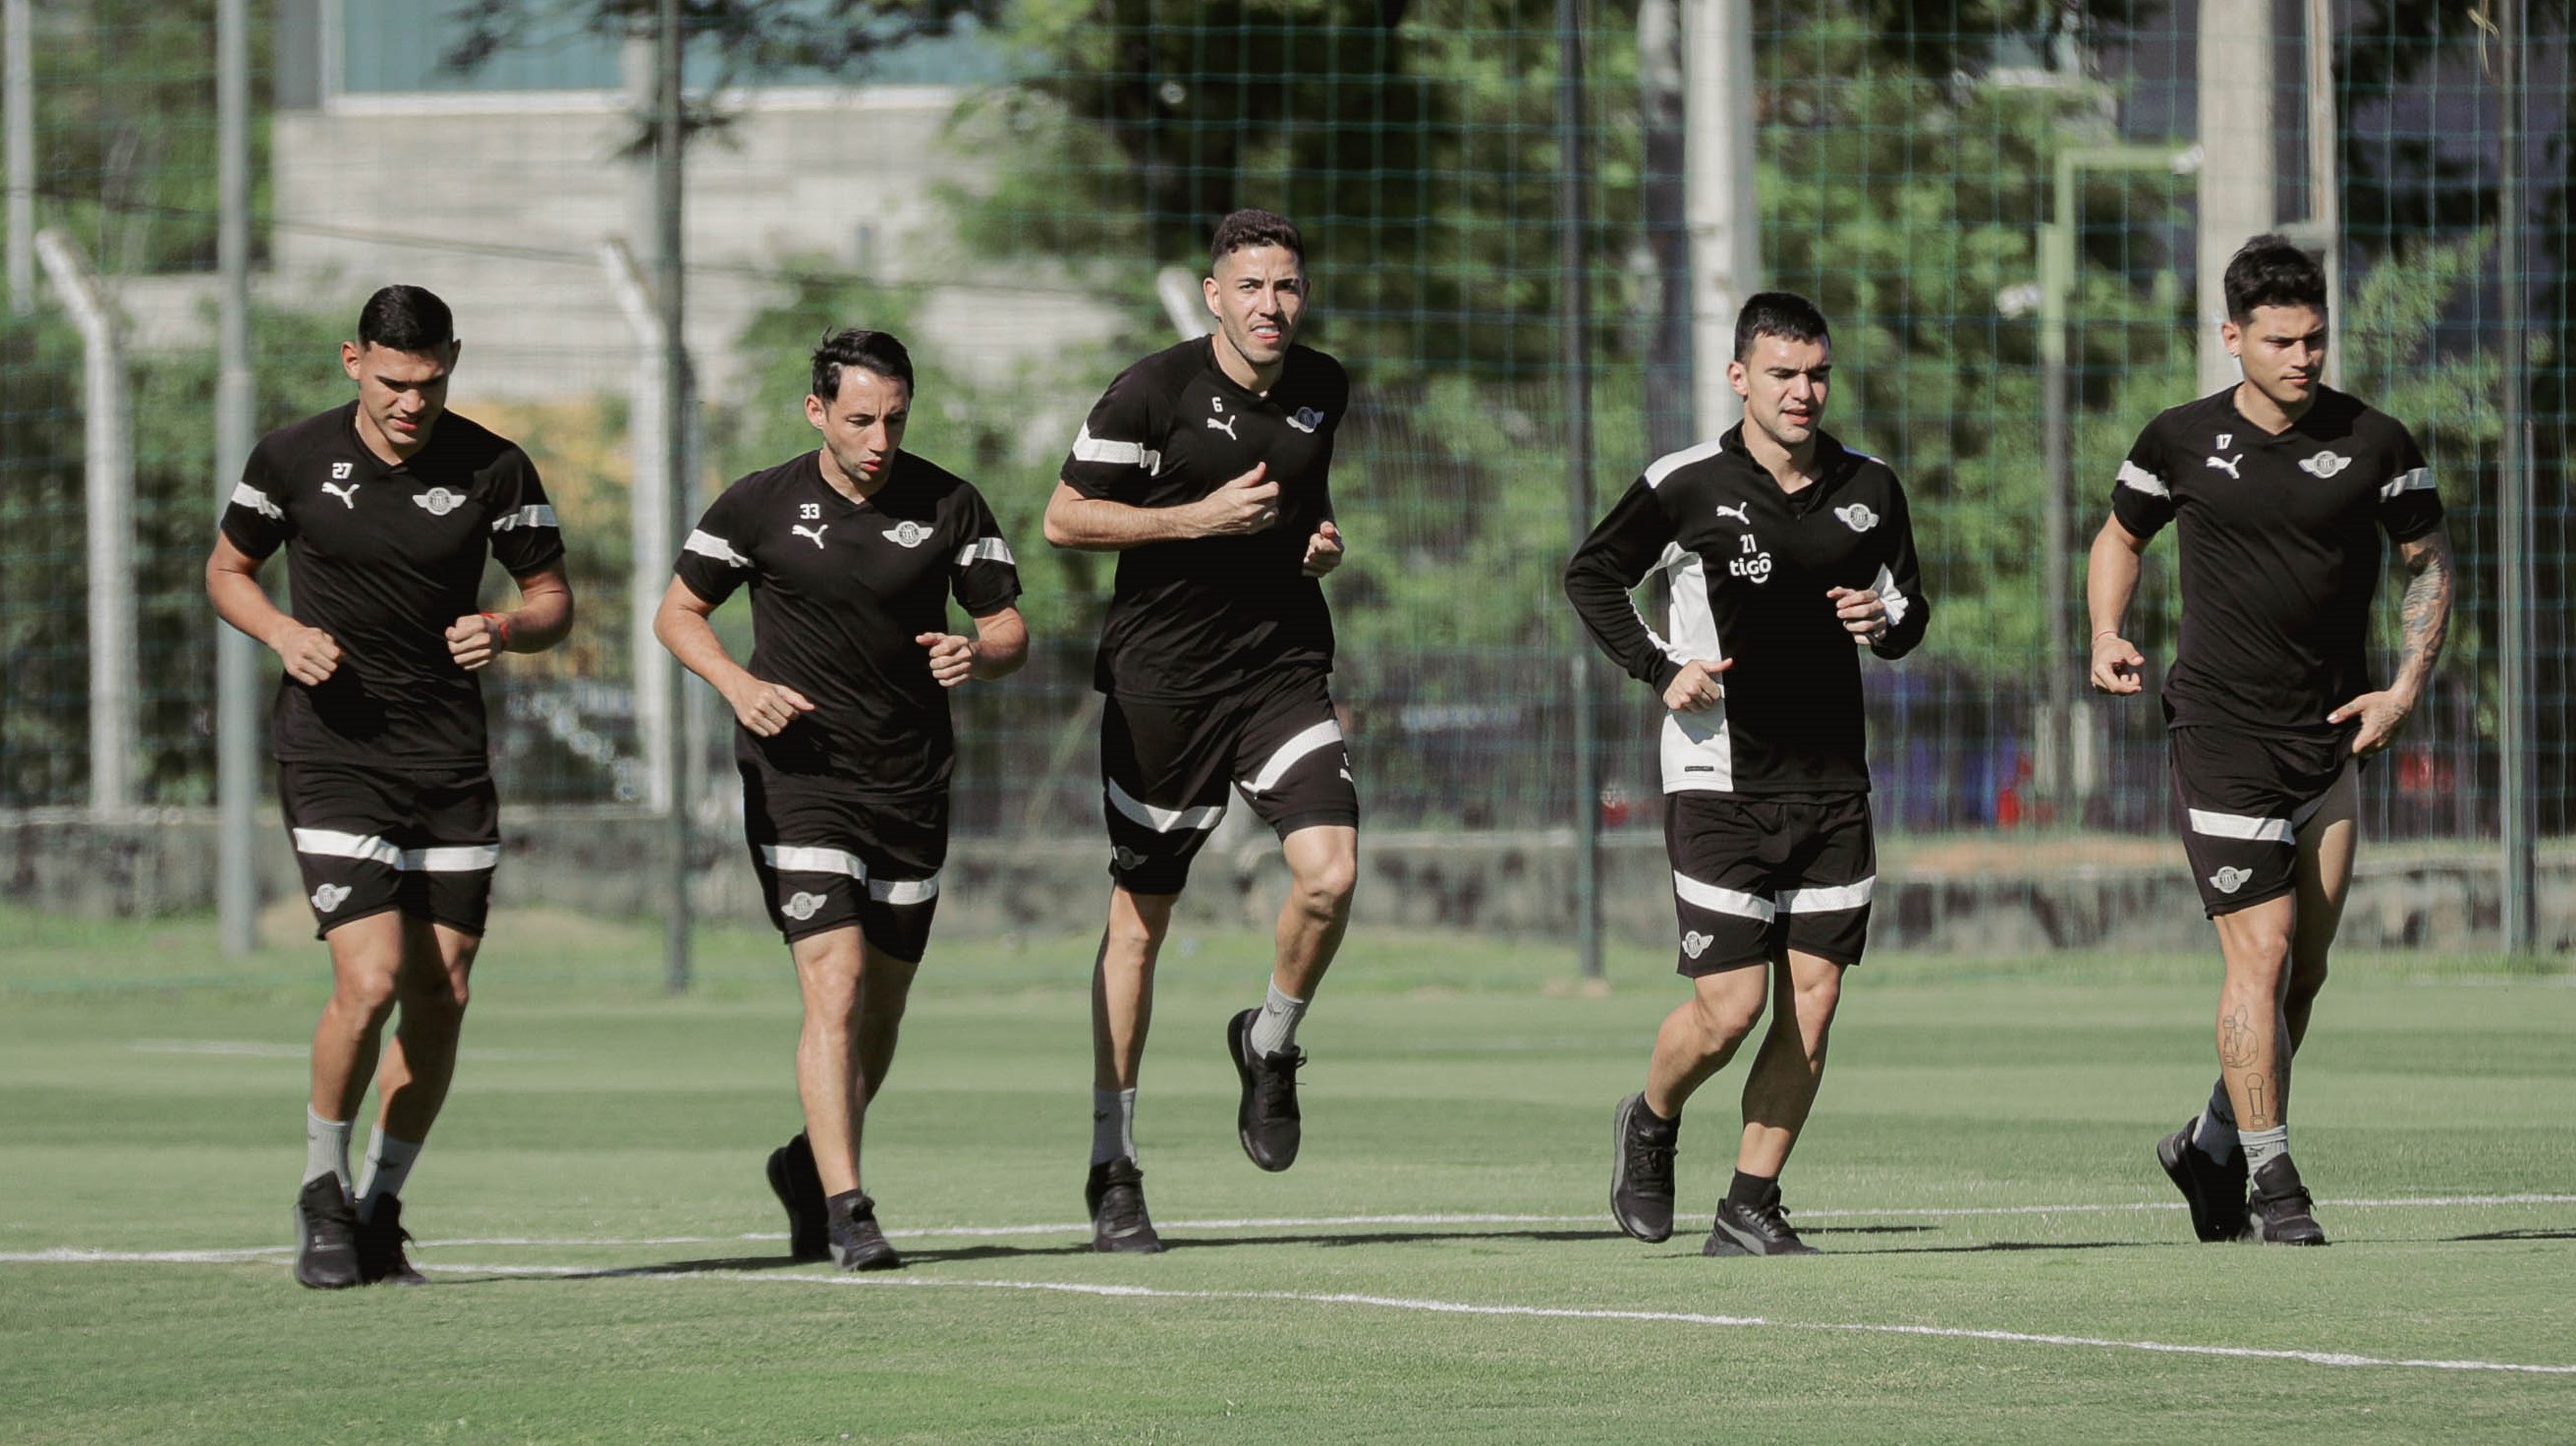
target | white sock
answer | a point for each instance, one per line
(1275, 1028)
(2214, 1133)
(388, 1166)
(2262, 1147)
(1113, 1125)
(326, 1149)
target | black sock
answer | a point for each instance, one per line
(848, 1204)
(1752, 1189)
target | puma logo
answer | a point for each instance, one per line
(2228, 465)
(348, 495)
(1226, 426)
(1737, 510)
(815, 533)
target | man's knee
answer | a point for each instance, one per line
(1725, 1016)
(1137, 924)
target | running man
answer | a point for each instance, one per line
(1786, 552)
(852, 552)
(1205, 467)
(387, 508)
(2280, 487)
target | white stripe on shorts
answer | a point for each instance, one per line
(810, 859)
(2242, 826)
(816, 859)
(1163, 820)
(1322, 734)
(904, 891)
(1723, 901)
(370, 848)
(1834, 899)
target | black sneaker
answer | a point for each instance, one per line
(1115, 1195)
(1761, 1228)
(857, 1243)
(1267, 1121)
(326, 1236)
(1641, 1171)
(380, 1247)
(793, 1178)
(2214, 1189)
(2280, 1208)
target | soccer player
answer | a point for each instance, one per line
(2280, 487)
(1786, 552)
(387, 508)
(1205, 467)
(852, 552)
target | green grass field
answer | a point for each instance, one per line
(2004, 1261)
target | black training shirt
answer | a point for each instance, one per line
(2280, 552)
(1202, 618)
(839, 590)
(385, 557)
(1749, 566)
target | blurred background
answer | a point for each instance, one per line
(1529, 226)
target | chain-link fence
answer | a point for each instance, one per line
(1003, 185)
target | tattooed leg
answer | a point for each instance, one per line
(2253, 1025)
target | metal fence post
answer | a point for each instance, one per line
(114, 667)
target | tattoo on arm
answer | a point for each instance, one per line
(2425, 612)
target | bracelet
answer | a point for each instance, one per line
(501, 628)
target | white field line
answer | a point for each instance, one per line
(74, 1255)
(1538, 1312)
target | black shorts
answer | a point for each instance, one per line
(374, 840)
(2245, 797)
(1165, 769)
(829, 857)
(1755, 877)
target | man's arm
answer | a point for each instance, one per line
(2424, 626)
(2110, 580)
(1000, 645)
(1243, 506)
(681, 624)
(542, 619)
(232, 584)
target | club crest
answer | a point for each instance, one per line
(330, 897)
(1695, 943)
(1857, 517)
(438, 501)
(907, 533)
(2325, 464)
(802, 906)
(2228, 880)
(1306, 419)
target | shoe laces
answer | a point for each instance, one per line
(1772, 1217)
(1651, 1156)
(1122, 1207)
(1275, 1084)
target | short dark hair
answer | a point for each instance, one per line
(406, 319)
(1255, 228)
(2271, 270)
(1783, 314)
(873, 351)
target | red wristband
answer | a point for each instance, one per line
(500, 629)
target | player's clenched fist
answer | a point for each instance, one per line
(1243, 506)
(766, 708)
(1324, 549)
(1861, 611)
(1695, 688)
(952, 658)
(475, 639)
(2116, 664)
(309, 653)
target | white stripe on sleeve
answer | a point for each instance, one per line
(245, 495)
(707, 544)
